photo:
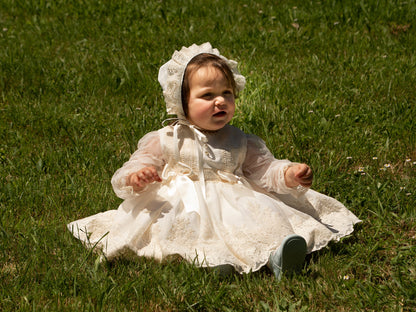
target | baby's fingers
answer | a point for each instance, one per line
(304, 175)
(149, 175)
(306, 183)
(155, 175)
(146, 175)
(302, 170)
(136, 181)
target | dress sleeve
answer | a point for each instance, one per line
(267, 172)
(148, 153)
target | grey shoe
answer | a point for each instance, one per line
(289, 257)
(224, 270)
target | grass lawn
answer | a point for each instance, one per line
(330, 83)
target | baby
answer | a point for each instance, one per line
(203, 189)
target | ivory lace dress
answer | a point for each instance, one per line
(222, 200)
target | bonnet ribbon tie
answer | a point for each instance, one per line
(201, 141)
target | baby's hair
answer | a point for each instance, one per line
(205, 60)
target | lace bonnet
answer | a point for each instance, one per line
(171, 75)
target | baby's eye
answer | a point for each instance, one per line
(207, 95)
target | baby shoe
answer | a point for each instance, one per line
(289, 257)
(223, 270)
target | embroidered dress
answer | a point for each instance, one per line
(222, 200)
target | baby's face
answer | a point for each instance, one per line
(211, 102)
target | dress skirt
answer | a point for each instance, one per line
(213, 223)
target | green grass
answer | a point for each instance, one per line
(330, 83)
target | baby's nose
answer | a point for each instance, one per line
(219, 100)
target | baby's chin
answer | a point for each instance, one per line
(214, 123)
(209, 128)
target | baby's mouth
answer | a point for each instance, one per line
(220, 114)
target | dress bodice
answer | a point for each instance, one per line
(221, 151)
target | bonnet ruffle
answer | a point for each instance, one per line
(171, 75)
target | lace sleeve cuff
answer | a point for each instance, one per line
(148, 154)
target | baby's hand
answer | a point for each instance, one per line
(138, 180)
(300, 174)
